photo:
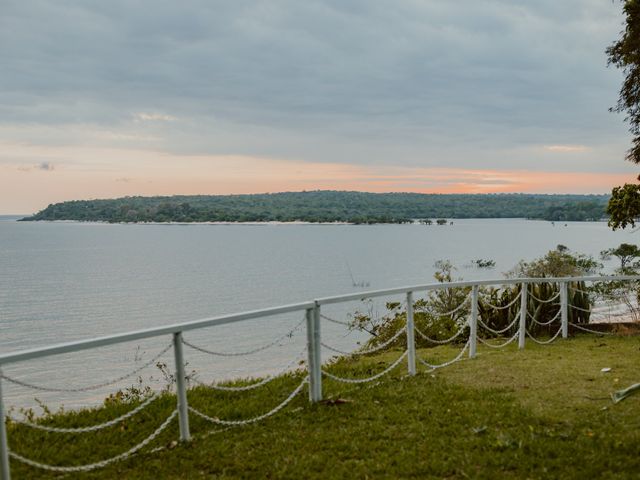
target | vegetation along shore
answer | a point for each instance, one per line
(328, 206)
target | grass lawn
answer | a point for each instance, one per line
(544, 412)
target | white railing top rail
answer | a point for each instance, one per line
(79, 345)
(436, 286)
(148, 333)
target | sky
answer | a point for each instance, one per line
(146, 97)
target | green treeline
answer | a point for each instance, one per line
(328, 206)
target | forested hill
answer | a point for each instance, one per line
(328, 206)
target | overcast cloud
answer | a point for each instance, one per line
(469, 84)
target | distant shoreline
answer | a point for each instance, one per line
(278, 223)
(103, 222)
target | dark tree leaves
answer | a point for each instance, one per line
(624, 206)
(625, 54)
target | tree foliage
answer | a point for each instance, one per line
(622, 292)
(560, 262)
(624, 206)
(328, 206)
(627, 254)
(625, 54)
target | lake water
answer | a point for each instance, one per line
(68, 281)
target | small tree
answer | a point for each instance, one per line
(439, 316)
(445, 300)
(626, 253)
(625, 292)
(560, 262)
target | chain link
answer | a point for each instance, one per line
(248, 352)
(333, 320)
(103, 463)
(544, 342)
(451, 312)
(441, 342)
(584, 292)
(549, 300)
(370, 379)
(370, 350)
(581, 309)
(254, 419)
(92, 428)
(544, 324)
(589, 330)
(445, 364)
(490, 345)
(90, 387)
(498, 332)
(245, 388)
(353, 325)
(496, 307)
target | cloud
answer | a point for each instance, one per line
(153, 117)
(183, 175)
(42, 166)
(566, 148)
(45, 166)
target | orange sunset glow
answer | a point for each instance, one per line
(227, 175)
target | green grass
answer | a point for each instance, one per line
(543, 412)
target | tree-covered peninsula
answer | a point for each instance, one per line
(328, 206)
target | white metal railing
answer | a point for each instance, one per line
(314, 345)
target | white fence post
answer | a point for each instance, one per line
(311, 356)
(4, 444)
(564, 309)
(473, 325)
(181, 388)
(314, 354)
(523, 315)
(411, 338)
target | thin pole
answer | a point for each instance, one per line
(411, 340)
(311, 356)
(181, 388)
(564, 306)
(523, 316)
(317, 367)
(4, 444)
(473, 326)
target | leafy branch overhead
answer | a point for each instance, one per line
(625, 54)
(624, 205)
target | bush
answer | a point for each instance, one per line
(443, 312)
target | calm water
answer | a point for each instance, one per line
(69, 281)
